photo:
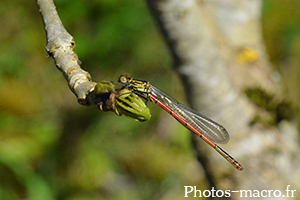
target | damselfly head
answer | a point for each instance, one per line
(124, 78)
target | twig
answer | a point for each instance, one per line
(60, 45)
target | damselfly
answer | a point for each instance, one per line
(208, 130)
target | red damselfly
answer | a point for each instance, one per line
(208, 130)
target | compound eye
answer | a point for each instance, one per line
(123, 79)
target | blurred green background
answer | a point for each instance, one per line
(52, 147)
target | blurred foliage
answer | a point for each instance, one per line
(53, 148)
(282, 39)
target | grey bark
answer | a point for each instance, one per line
(206, 39)
(60, 45)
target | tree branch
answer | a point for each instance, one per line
(210, 38)
(60, 45)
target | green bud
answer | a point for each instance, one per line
(104, 87)
(131, 105)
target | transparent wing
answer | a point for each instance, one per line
(214, 131)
